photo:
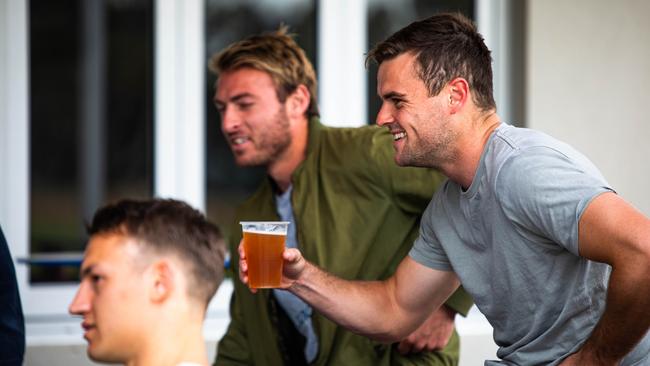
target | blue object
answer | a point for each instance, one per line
(53, 260)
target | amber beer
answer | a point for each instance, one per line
(264, 256)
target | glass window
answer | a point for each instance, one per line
(385, 17)
(91, 118)
(227, 22)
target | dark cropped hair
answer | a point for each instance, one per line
(168, 226)
(277, 54)
(447, 46)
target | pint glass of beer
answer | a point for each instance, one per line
(263, 245)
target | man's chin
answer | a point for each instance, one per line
(245, 162)
(103, 356)
(400, 159)
(409, 161)
(399, 162)
(250, 162)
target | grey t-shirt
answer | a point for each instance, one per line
(512, 239)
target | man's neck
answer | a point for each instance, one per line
(469, 148)
(282, 168)
(165, 348)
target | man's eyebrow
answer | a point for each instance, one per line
(85, 272)
(393, 95)
(235, 98)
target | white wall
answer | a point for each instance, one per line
(588, 74)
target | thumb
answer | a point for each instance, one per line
(292, 255)
(294, 264)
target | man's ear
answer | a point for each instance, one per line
(297, 102)
(458, 90)
(162, 281)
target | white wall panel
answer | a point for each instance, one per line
(588, 76)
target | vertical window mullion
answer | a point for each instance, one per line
(179, 101)
(14, 206)
(342, 77)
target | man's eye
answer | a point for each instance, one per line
(244, 106)
(96, 279)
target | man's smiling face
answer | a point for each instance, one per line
(421, 127)
(253, 120)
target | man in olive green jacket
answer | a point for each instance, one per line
(353, 212)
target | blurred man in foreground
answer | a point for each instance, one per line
(148, 274)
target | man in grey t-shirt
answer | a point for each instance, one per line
(513, 237)
(558, 263)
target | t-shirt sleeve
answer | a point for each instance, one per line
(544, 192)
(427, 249)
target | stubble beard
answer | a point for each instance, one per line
(433, 151)
(271, 144)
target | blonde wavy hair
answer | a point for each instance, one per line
(277, 54)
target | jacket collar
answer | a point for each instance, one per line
(314, 134)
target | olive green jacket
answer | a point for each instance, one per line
(357, 216)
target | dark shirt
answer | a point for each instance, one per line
(12, 324)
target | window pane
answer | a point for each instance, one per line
(91, 117)
(386, 17)
(227, 22)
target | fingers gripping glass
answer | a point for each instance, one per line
(264, 243)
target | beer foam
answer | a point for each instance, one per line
(253, 231)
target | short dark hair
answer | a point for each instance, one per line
(447, 46)
(169, 226)
(277, 54)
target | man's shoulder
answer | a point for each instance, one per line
(364, 153)
(357, 143)
(366, 132)
(521, 153)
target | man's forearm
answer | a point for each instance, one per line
(353, 305)
(611, 231)
(625, 320)
(386, 311)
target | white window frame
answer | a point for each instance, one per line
(492, 22)
(179, 130)
(179, 157)
(342, 76)
(179, 101)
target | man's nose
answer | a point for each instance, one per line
(230, 120)
(81, 302)
(384, 116)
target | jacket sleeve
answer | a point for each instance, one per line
(233, 348)
(448, 356)
(460, 301)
